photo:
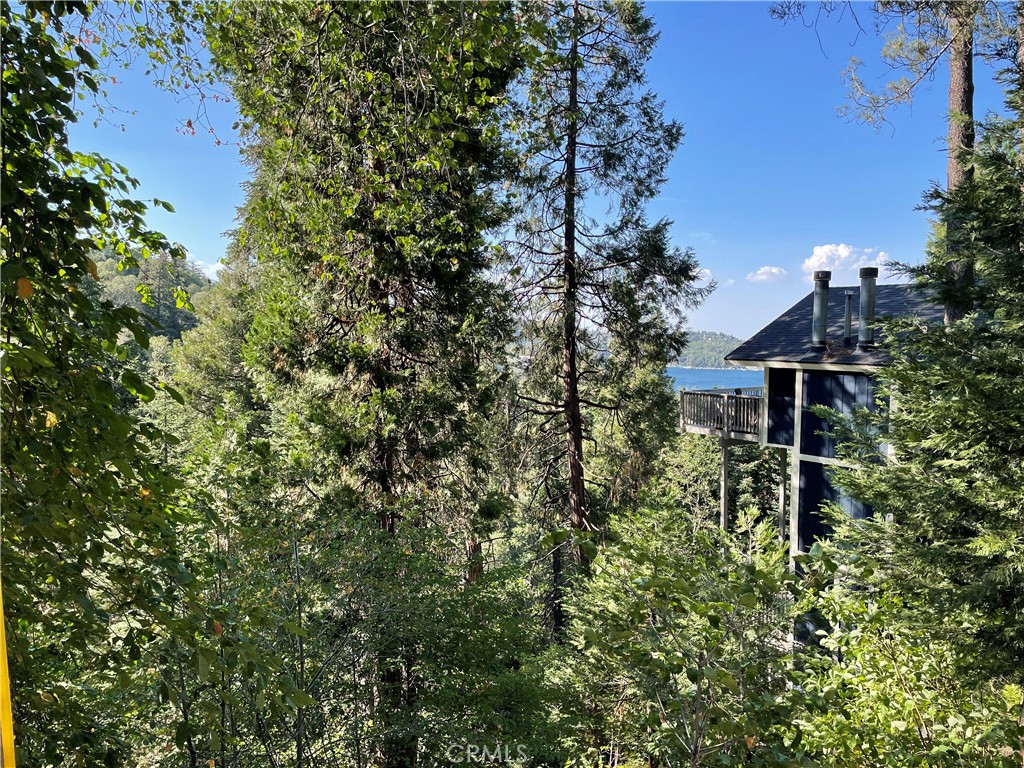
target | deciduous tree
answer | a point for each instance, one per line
(93, 573)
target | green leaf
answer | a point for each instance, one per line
(134, 384)
(173, 393)
(202, 666)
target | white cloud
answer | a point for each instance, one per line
(767, 275)
(211, 270)
(726, 283)
(842, 258)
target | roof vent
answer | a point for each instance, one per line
(866, 331)
(848, 321)
(819, 317)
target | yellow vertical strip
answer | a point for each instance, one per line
(6, 718)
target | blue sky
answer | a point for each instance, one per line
(768, 184)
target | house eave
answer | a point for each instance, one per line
(827, 365)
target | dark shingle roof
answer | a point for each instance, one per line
(788, 337)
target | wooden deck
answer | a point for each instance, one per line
(732, 414)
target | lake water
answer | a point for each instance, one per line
(714, 378)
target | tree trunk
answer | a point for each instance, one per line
(300, 721)
(579, 516)
(396, 750)
(396, 697)
(961, 140)
(475, 559)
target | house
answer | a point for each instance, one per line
(821, 351)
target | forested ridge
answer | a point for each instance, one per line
(707, 349)
(404, 485)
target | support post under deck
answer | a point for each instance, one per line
(783, 482)
(723, 487)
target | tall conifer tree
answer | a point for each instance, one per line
(374, 337)
(949, 530)
(603, 287)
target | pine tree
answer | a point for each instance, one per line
(952, 486)
(602, 286)
(921, 35)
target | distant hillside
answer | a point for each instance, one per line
(707, 348)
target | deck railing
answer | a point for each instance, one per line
(722, 410)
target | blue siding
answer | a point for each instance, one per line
(781, 405)
(816, 489)
(841, 391)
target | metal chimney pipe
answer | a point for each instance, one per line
(819, 316)
(866, 330)
(848, 325)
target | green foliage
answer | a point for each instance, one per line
(208, 365)
(688, 476)
(106, 560)
(628, 439)
(877, 689)
(367, 216)
(93, 576)
(678, 654)
(367, 604)
(162, 289)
